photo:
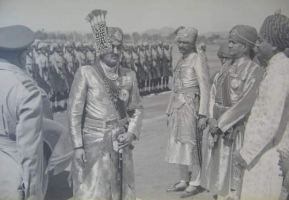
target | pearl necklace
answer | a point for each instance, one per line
(111, 75)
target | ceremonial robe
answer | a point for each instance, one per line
(95, 124)
(267, 131)
(232, 96)
(189, 99)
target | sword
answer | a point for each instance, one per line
(199, 145)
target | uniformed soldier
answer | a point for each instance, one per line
(21, 138)
(143, 70)
(80, 56)
(167, 66)
(59, 84)
(43, 68)
(30, 63)
(161, 65)
(149, 68)
(90, 54)
(127, 56)
(71, 62)
(156, 73)
(135, 61)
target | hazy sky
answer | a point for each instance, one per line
(136, 15)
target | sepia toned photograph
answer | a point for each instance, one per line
(144, 99)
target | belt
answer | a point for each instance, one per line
(106, 124)
(185, 90)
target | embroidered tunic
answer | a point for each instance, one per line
(267, 131)
(232, 96)
(95, 124)
(189, 98)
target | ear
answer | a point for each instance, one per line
(245, 49)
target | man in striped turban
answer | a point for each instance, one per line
(267, 129)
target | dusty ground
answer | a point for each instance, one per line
(153, 175)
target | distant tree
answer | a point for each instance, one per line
(201, 38)
(136, 37)
(127, 38)
(61, 36)
(212, 38)
(144, 37)
(51, 36)
(41, 35)
(156, 37)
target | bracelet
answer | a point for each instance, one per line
(202, 116)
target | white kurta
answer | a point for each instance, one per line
(266, 132)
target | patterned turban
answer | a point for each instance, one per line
(115, 34)
(188, 33)
(275, 30)
(244, 34)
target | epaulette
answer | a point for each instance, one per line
(26, 82)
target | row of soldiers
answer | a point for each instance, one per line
(53, 66)
(152, 64)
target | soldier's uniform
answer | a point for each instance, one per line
(156, 73)
(163, 71)
(127, 55)
(43, 69)
(70, 63)
(30, 64)
(149, 68)
(21, 138)
(90, 55)
(167, 66)
(59, 84)
(80, 56)
(143, 72)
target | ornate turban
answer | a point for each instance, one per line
(115, 34)
(275, 30)
(188, 33)
(244, 34)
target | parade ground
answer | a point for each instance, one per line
(152, 174)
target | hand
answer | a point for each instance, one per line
(284, 165)
(125, 139)
(202, 123)
(80, 157)
(236, 156)
(213, 124)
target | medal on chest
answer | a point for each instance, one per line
(123, 84)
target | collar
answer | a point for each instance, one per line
(5, 65)
(240, 61)
(276, 58)
(188, 54)
(112, 70)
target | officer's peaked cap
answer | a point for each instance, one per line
(15, 38)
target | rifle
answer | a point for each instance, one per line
(120, 167)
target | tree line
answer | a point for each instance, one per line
(135, 37)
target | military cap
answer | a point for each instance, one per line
(42, 46)
(68, 44)
(15, 38)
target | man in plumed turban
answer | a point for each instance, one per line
(105, 115)
(232, 96)
(267, 129)
(187, 112)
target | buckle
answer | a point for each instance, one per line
(111, 123)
